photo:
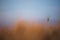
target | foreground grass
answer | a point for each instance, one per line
(21, 31)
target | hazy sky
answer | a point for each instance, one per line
(27, 9)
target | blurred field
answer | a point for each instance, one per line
(30, 31)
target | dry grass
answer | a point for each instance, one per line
(21, 31)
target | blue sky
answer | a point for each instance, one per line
(28, 9)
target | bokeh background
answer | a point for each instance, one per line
(29, 19)
(29, 10)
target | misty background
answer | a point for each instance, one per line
(29, 9)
